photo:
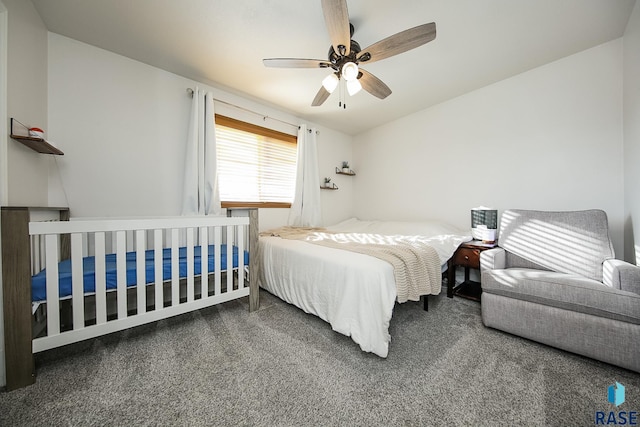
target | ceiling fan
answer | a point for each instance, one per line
(345, 54)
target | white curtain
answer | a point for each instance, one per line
(305, 209)
(200, 192)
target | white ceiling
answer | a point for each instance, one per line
(223, 42)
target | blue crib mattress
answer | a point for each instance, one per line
(39, 281)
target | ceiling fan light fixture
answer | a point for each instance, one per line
(330, 82)
(353, 86)
(350, 71)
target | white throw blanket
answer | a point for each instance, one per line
(416, 264)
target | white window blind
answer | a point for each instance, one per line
(255, 165)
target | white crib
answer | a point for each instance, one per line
(120, 254)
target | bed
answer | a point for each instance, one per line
(354, 291)
(67, 281)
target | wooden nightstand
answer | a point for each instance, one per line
(468, 256)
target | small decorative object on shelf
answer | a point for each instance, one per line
(34, 139)
(345, 167)
(36, 133)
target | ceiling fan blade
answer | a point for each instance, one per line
(336, 17)
(374, 85)
(321, 96)
(399, 42)
(295, 63)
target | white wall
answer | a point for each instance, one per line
(632, 136)
(123, 124)
(26, 101)
(549, 139)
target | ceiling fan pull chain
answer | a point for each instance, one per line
(344, 103)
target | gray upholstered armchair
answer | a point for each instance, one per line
(554, 279)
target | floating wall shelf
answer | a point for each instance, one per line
(37, 144)
(340, 172)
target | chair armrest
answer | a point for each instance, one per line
(621, 275)
(492, 259)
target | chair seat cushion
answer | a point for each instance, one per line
(567, 291)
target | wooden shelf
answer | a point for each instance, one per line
(350, 173)
(37, 144)
(329, 188)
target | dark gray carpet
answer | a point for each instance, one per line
(280, 366)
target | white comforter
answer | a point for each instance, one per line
(355, 293)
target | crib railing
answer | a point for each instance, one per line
(141, 235)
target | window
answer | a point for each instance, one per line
(256, 165)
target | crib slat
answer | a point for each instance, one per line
(217, 240)
(140, 272)
(53, 304)
(204, 262)
(229, 266)
(190, 282)
(101, 283)
(158, 259)
(77, 281)
(121, 267)
(240, 245)
(175, 274)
